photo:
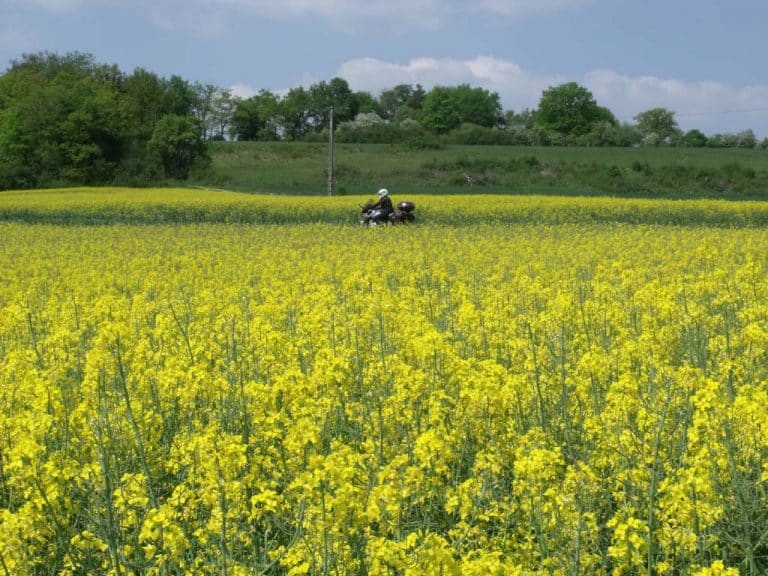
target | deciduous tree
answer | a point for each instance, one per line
(401, 95)
(441, 110)
(695, 139)
(658, 121)
(176, 141)
(334, 94)
(570, 109)
(446, 108)
(257, 117)
(296, 114)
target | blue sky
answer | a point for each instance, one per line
(704, 59)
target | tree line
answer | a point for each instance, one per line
(67, 119)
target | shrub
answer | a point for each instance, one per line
(177, 143)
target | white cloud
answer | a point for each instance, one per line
(713, 106)
(246, 90)
(243, 90)
(518, 88)
(709, 106)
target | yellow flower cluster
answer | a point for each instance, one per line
(321, 399)
(197, 206)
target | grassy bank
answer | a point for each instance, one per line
(294, 168)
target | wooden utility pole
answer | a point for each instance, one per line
(330, 157)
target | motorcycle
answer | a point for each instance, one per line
(371, 216)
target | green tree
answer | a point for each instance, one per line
(257, 117)
(179, 97)
(399, 96)
(222, 112)
(603, 134)
(658, 121)
(324, 95)
(365, 103)
(478, 106)
(59, 121)
(144, 99)
(570, 109)
(17, 169)
(70, 120)
(695, 139)
(440, 112)
(416, 99)
(178, 145)
(446, 108)
(746, 139)
(407, 114)
(295, 113)
(206, 98)
(522, 120)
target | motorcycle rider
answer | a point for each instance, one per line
(384, 203)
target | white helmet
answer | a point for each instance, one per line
(383, 192)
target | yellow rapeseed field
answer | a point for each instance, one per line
(577, 396)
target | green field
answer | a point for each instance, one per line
(295, 168)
